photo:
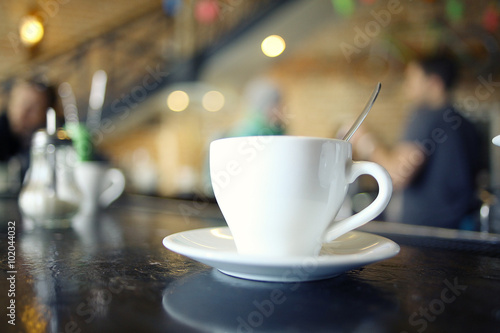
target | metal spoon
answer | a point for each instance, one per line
(363, 114)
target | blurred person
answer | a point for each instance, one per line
(26, 112)
(436, 162)
(264, 110)
(263, 115)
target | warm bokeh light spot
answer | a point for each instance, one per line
(31, 30)
(178, 100)
(272, 46)
(213, 101)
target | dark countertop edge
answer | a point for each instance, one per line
(394, 228)
(169, 205)
(210, 209)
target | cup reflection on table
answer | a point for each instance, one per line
(251, 306)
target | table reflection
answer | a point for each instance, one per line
(53, 259)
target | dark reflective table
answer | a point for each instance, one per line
(112, 274)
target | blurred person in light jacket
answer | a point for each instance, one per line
(263, 115)
(264, 110)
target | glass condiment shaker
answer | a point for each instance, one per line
(49, 195)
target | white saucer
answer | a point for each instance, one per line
(215, 247)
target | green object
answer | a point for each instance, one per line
(255, 123)
(82, 141)
(344, 7)
(454, 10)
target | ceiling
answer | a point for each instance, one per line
(296, 22)
(68, 23)
(128, 39)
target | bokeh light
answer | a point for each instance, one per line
(206, 11)
(272, 46)
(213, 101)
(171, 7)
(344, 7)
(178, 100)
(31, 30)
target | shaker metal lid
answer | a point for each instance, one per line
(42, 138)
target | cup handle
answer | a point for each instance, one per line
(110, 194)
(384, 181)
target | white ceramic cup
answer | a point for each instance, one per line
(100, 185)
(280, 194)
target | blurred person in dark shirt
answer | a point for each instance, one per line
(25, 113)
(436, 162)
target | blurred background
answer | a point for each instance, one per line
(175, 74)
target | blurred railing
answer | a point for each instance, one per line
(138, 55)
